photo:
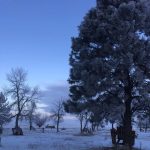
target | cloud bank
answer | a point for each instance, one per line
(53, 93)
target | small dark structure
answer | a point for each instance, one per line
(17, 131)
(63, 129)
(118, 135)
(50, 127)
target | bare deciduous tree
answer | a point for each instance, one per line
(40, 119)
(20, 93)
(58, 113)
(31, 111)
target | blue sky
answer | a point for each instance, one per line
(35, 35)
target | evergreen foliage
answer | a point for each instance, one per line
(5, 114)
(110, 60)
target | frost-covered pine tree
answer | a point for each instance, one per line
(110, 58)
(5, 115)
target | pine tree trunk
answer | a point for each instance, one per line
(127, 123)
(112, 125)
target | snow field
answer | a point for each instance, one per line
(68, 139)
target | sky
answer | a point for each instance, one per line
(36, 35)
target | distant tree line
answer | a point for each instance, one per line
(23, 104)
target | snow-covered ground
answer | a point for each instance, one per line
(50, 140)
(68, 139)
(143, 140)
